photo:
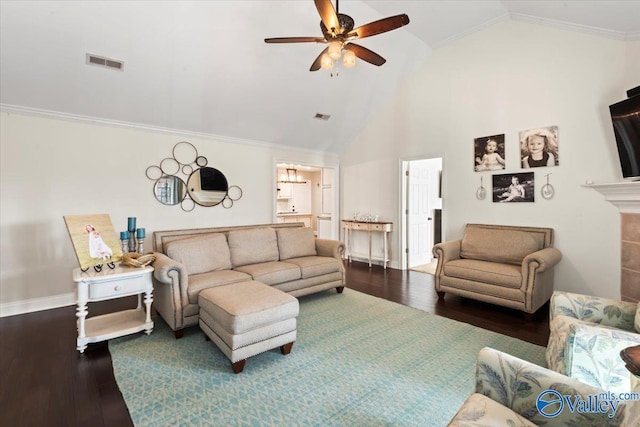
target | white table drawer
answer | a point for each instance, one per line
(116, 288)
(359, 226)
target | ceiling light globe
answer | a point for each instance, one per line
(335, 50)
(349, 59)
(326, 63)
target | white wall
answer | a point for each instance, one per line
(510, 77)
(53, 167)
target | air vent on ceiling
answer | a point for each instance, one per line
(321, 116)
(101, 61)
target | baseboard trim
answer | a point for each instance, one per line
(37, 304)
(377, 261)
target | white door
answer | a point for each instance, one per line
(301, 197)
(420, 180)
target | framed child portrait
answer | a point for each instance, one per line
(539, 147)
(94, 239)
(489, 153)
(514, 188)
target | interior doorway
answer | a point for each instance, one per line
(421, 213)
(309, 194)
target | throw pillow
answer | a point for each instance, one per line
(296, 242)
(494, 245)
(201, 254)
(253, 246)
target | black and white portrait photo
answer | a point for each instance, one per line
(539, 147)
(489, 153)
(514, 187)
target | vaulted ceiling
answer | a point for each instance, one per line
(202, 67)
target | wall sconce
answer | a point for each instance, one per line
(292, 175)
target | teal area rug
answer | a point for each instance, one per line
(358, 361)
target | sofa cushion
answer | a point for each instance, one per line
(507, 275)
(296, 242)
(636, 323)
(506, 246)
(245, 306)
(272, 273)
(201, 254)
(253, 246)
(560, 327)
(312, 266)
(200, 282)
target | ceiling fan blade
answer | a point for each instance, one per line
(377, 27)
(295, 40)
(365, 54)
(328, 15)
(316, 64)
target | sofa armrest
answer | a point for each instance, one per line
(165, 267)
(172, 273)
(446, 251)
(592, 355)
(516, 384)
(330, 248)
(542, 260)
(603, 311)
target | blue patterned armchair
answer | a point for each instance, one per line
(507, 390)
(587, 334)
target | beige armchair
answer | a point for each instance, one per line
(509, 266)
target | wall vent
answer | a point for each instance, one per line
(102, 61)
(321, 116)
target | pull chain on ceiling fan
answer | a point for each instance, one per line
(338, 33)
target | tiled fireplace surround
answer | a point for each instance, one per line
(626, 197)
(630, 257)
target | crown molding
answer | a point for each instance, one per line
(37, 112)
(633, 37)
(470, 31)
(613, 34)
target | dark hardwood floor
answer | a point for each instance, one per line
(45, 382)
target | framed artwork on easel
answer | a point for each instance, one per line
(94, 239)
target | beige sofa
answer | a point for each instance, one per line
(285, 256)
(509, 266)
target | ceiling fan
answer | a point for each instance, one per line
(339, 33)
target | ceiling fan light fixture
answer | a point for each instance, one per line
(349, 59)
(338, 31)
(326, 63)
(335, 50)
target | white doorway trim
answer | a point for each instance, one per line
(404, 201)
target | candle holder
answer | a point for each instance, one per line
(131, 228)
(132, 239)
(140, 245)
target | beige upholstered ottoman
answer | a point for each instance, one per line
(247, 318)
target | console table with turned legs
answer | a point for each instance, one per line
(369, 227)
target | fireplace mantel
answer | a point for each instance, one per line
(624, 195)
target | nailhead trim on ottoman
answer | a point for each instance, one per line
(247, 318)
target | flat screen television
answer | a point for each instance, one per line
(625, 116)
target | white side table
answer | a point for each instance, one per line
(109, 284)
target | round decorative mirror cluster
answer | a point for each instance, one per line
(202, 185)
